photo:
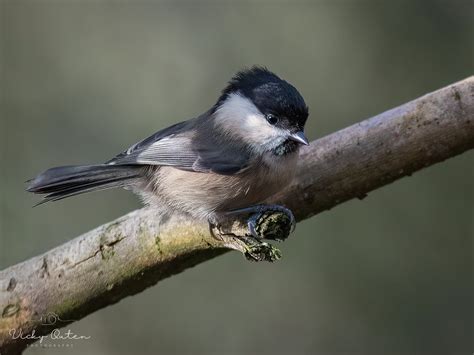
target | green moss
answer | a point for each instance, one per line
(68, 306)
(275, 226)
(263, 252)
(158, 244)
(10, 310)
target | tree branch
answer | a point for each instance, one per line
(136, 251)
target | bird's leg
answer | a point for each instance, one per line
(268, 221)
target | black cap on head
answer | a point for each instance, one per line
(270, 94)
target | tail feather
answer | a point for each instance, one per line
(65, 181)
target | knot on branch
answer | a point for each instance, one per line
(272, 225)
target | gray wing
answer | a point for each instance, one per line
(186, 146)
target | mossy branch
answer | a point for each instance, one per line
(136, 251)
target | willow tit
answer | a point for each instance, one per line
(232, 157)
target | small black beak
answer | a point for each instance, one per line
(299, 137)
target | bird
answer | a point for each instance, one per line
(228, 160)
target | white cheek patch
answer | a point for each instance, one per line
(238, 116)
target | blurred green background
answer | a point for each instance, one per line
(83, 80)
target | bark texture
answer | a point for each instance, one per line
(136, 251)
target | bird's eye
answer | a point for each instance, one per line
(272, 119)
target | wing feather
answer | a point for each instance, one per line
(177, 146)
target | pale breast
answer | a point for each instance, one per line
(204, 194)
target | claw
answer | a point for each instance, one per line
(252, 225)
